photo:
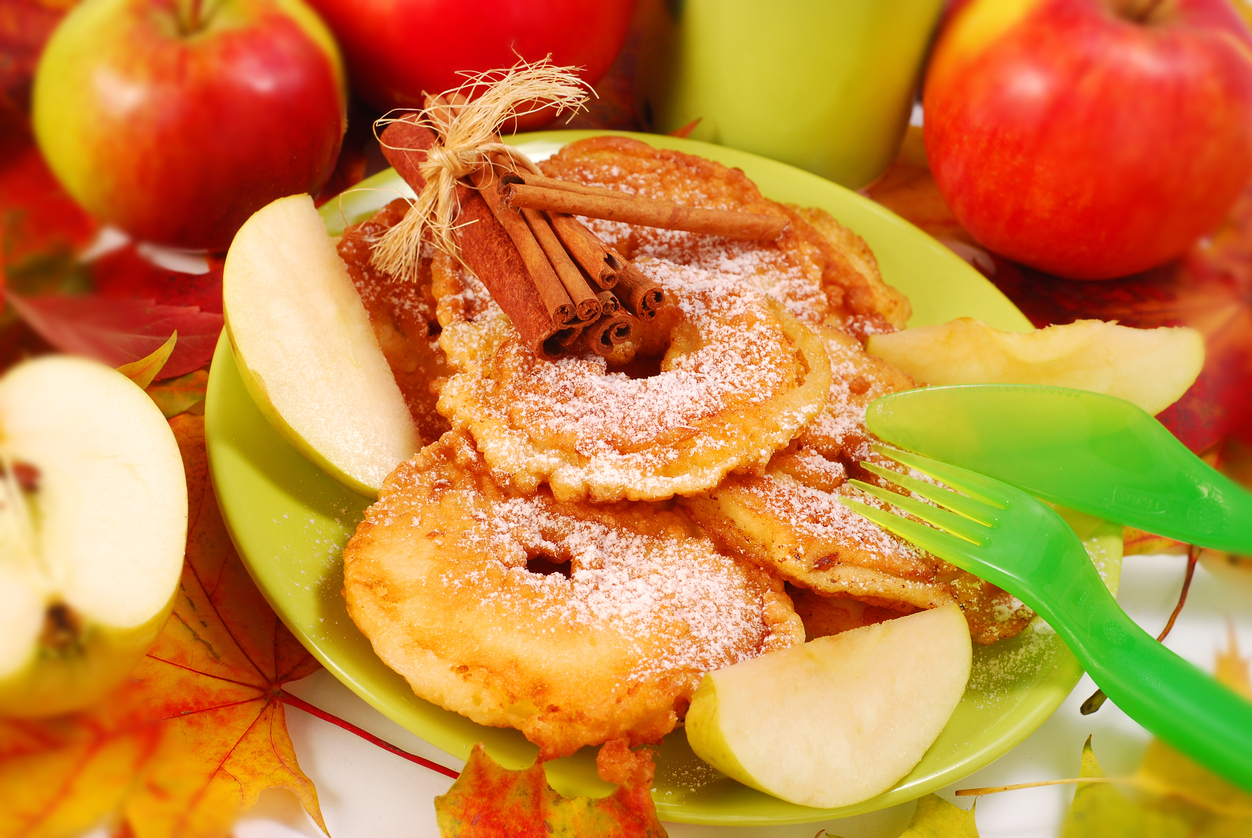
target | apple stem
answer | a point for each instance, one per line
(301, 704)
(193, 15)
(1146, 14)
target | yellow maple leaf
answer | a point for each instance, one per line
(1232, 670)
(199, 729)
(935, 817)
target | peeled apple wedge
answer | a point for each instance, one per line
(1149, 367)
(839, 719)
(93, 529)
(306, 351)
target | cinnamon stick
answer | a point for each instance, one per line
(638, 294)
(608, 332)
(564, 340)
(587, 249)
(609, 304)
(551, 290)
(586, 306)
(486, 248)
(558, 196)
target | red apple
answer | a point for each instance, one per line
(176, 120)
(399, 49)
(1090, 138)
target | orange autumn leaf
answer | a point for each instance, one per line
(199, 730)
(1136, 542)
(489, 801)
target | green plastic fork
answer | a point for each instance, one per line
(1008, 538)
(1086, 451)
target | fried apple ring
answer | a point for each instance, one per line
(738, 381)
(791, 518)
(402, 315)
(572, 622)
(818, 269)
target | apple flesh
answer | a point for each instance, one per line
(177, 127)
(306, 350)
(1090, 138)
(1149, 367)
(398, 50)
(819, 724)
(93, 528)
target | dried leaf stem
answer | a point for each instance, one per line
(312, 710)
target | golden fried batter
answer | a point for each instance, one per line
(739, 379)
(403, 317)
(826, 615)
(791, 519)
(819, 269)
(576, 623)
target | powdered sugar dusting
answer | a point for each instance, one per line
(727, 394)
(637, 585)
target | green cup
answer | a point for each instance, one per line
(825, 85)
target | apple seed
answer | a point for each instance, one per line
(62, 630)
(26, 474)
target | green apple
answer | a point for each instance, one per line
(839, 719)
(1149, 367)
(306, 350)
(93, 529)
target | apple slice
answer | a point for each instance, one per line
(306, 351)
(1149, 367)
(839, 719)
(93, 528)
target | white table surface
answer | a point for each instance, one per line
(366, 792)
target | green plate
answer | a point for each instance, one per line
(290, 521)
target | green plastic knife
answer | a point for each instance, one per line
(1083, 450)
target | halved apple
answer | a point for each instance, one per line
(93, 529)
(1149, 367)
(839, 719)
(306, 351)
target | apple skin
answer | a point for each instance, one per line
(398, 49)
(1085, 144)
(178, 138)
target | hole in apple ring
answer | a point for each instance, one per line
(547, 566)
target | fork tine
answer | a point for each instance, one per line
(938, 542)
(959, 525)
(965, 505)
(971, 483)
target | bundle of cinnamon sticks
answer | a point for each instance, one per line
(562, 287)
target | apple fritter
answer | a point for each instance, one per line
(576, 623)
(819, 269)
(791, 519)
(402, 315)
(824, 615)
(738, 380)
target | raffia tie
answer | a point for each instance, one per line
(470, 140)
